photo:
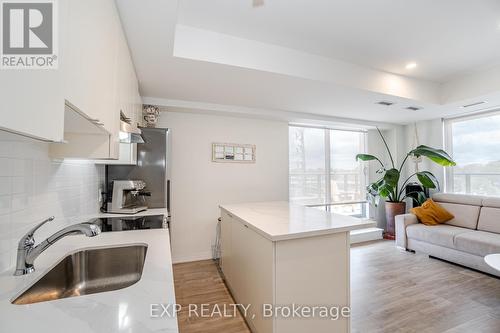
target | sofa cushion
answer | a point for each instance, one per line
(466, 216)
(489, 220)
(464, 199)
(431, 213)
(442, 234)
(480, 243)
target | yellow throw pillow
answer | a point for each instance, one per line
(431, 213)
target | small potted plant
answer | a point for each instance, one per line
(388, 186)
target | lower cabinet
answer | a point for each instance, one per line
(253, 274)
(309, 271)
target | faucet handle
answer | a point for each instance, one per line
(28, 240)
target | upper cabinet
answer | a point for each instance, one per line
(77, 106)
(127, 98)
(89, 65)
(32, 101)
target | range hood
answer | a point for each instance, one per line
(128, 132)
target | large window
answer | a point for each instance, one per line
(323, 169)
(474, 143)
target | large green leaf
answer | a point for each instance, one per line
(385, 190)
(421, 198)
(427, 179)
(438, 156)
(391, 177)
(368, 157)
(365, 157)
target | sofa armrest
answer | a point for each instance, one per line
(401, 222)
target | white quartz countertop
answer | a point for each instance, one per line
(124, 310)
(281, 220)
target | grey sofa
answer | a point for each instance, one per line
(465, 240)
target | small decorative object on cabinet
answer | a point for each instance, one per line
(233, 152)
(388, 186)
(151, 114)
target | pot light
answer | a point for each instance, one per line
(411, 65)
(385, 103)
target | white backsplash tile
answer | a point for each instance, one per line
(34, 187)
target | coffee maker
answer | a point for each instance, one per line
(128, 197)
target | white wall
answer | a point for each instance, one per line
(430, 133)
(32, 187)
(200, 185)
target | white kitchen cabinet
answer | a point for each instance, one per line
(286, 267)
(32, 101)
(76, 106)
(226, 240)
(247, 264)
(89, 72)
(127, 100)
(252, 279)
(101, 82)
(31, 104)
(127, 155)
(89, 67)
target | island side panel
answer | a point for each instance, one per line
(251, 269)
(226, 245)
(313, 271)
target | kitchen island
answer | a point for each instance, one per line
(277, 257)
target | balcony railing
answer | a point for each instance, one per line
(486, 183)
(346, 192)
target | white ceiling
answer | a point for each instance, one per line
(230, 72)
(445, 37)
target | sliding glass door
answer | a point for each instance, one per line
(323, 169)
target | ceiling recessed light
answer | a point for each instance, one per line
(385, 103)
(411, 65)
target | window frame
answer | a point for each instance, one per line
(448, 141)
(328, 172)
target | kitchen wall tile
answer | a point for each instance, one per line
(5, 185)
(6, 246)
(4, 166)
(18, 202)
(5, 202)
(34, 187)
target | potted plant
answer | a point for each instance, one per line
(388, 188)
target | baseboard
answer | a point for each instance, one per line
(192, 257)
(366, 235)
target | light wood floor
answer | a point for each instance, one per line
(391, 291)
(199, 283)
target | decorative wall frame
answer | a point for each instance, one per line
(233, 153)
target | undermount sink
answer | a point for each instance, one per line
(88, 272)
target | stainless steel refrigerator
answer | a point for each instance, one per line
(152, 167)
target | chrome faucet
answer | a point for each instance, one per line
(27, 252)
